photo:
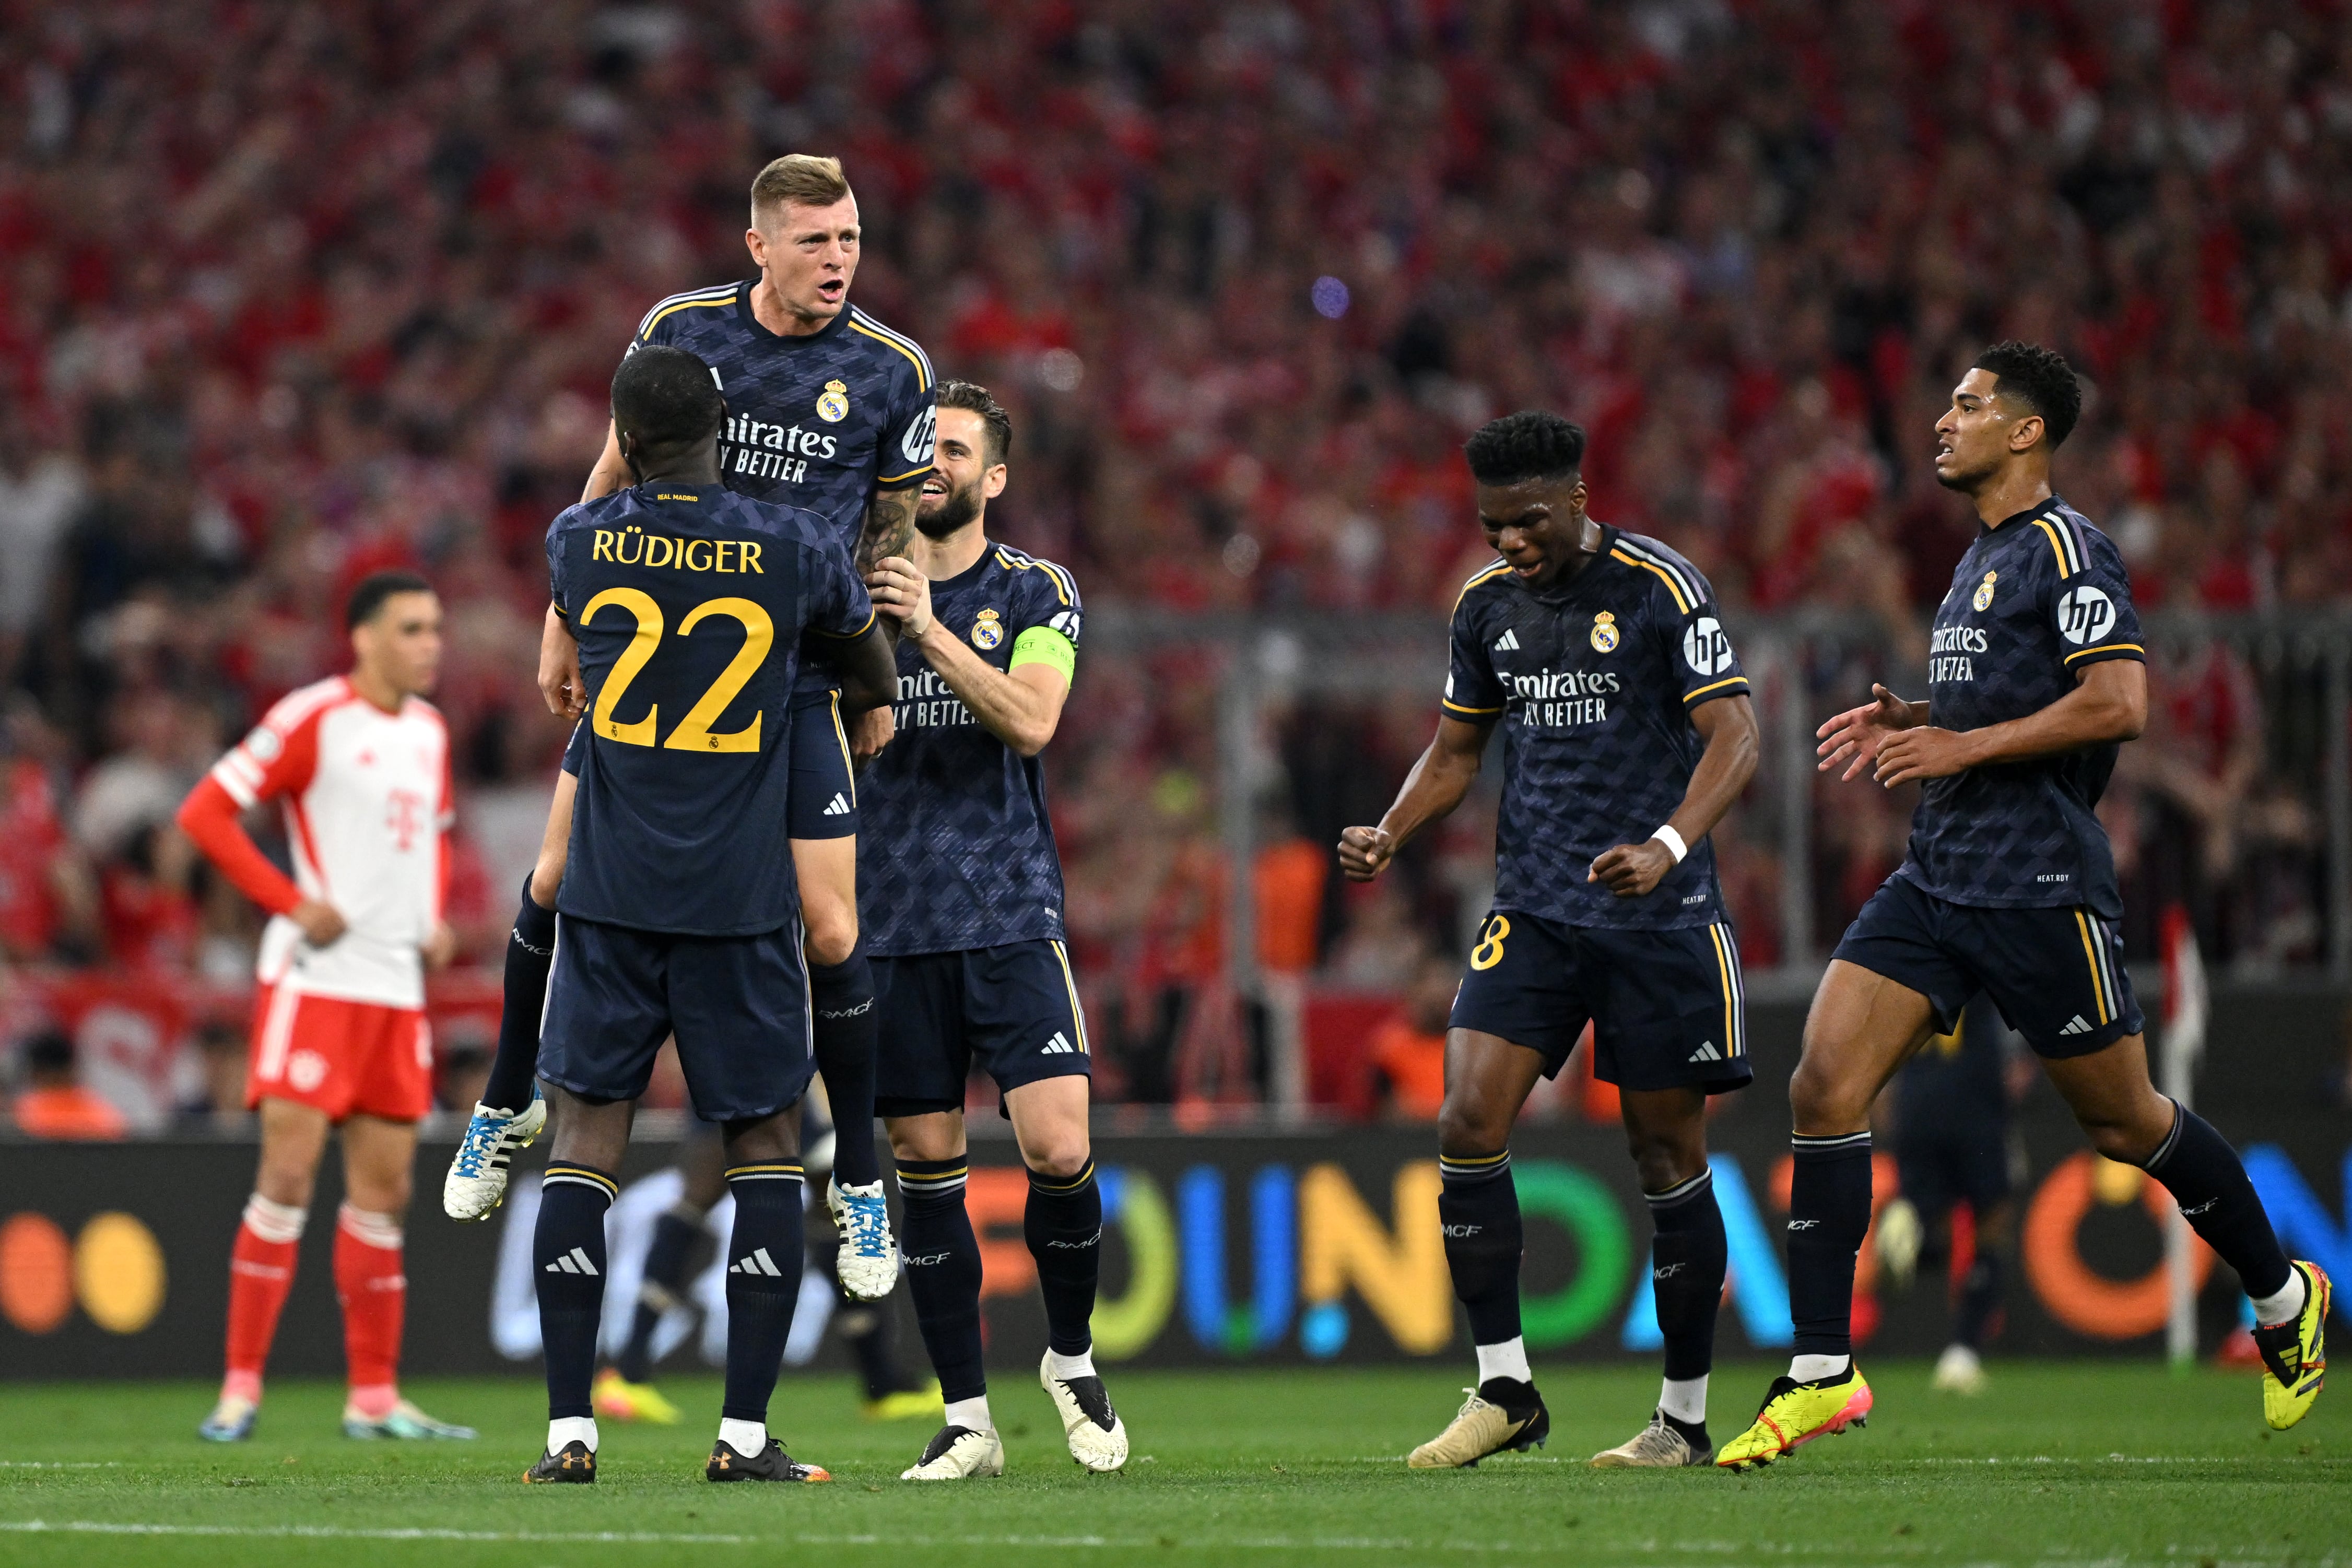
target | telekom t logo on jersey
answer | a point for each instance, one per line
(405, 813)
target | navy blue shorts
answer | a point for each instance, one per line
(823, 803)
(2056, 974)
(1666, 1007)
(1012, 1009)
(738, 1005)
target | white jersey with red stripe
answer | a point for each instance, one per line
(367, 799)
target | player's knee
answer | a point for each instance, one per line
(832, 936)
(1064, 1152)
(546, 877)
(286, 1182)
(2119, 1138)
(1472, 1123)
(1821, 1104)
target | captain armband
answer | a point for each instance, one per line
(1043, 645)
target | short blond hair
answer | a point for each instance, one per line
(797, 180)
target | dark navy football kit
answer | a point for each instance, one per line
(960, 884)
(818, 423)
(1593, 682)
(680, 909)
(2008, 885)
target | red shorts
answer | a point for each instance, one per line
(340, 1057)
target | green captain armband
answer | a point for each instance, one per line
(1043, 645)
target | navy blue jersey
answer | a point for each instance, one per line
(690, 602)
(960, 852)
(817, 423)
(1594, 680)
(2035, 601)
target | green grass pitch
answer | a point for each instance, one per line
(2067, 1463)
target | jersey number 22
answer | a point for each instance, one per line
(693, 732)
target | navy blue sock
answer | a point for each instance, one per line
(1063, 1225)
(530, 952)
(763, 1282)
(1688, 1257)
(1980, 1299)
(1829, 1213)
(942, 1258)
(1478, 1209)
(662, 1287)
(567, 1260)
(2205, 1176)
(844, 996)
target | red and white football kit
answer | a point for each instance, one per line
(367, 801)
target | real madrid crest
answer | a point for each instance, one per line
(1604, 633)
(833, 403)
(1983, 598)
(987, 632)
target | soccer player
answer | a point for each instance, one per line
(1953, 1145)
(830, 412)
(1627, 733)
(964, 895)
(360, 767)
(676, 910)
(2035, 678)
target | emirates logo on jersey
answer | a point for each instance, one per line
(406, 814)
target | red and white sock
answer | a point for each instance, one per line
(374, 1296)
(260, 1273)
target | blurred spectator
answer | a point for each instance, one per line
(1407, 1051)
(217, 1102)
(1381, 949)
(53, 1103)
(1291, 874)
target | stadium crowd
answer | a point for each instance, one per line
(290, 293)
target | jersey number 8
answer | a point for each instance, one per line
(693, 732)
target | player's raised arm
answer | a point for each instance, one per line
(1439, 780)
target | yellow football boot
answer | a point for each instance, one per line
(618, 1399)
(2294, 1354)
(905, 1404)
(1794, 1414)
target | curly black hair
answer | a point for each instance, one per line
(2042, 380)
(1533, 443)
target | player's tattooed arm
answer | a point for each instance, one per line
(2109, 702)
(1436, 785)
(1728, 726)
(889, 524)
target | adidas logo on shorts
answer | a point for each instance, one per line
(1705, 1053)
(838, 808)
(2075, 1026)
(1508, 642)
(572, 1262)
(759, 1262)
(1058, 1046)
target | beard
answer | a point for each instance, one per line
(1964, 480)
(956, 508)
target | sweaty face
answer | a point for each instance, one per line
(1973, 438)
(1536, 525)
(960, 479)
(403, 641)
(810, 255)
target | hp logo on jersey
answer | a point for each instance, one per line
(2084, 615)
(916, 445)
(1706, 648)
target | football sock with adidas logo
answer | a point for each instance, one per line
(1829, 1213)
(763, 1283)
(661, 1287)
(942, 1262)
(2207, 1179)
(1687, 1260)
(567, 1256)
(844, 1029)
(1478, 1211)
(1063, 1225)
(531, 954)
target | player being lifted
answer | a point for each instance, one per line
(361, 765)
(964, 894)
(677, 913)
(1627, 733)
(830, 412)
(2035, 678)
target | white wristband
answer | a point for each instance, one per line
(1673, 842)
